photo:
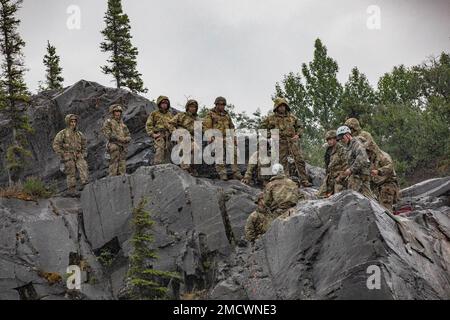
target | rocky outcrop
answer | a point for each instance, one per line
(325, 249)
(90, 101)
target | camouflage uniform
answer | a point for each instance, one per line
(280, 194)
(222, 121)
(255, 165)
(71, 146)
(258, 221)
(288, 126)
(185, 120)
(158, 122)
(335, 164)
(359, 164)
(118, 136)
(364, 136)
(385, 184)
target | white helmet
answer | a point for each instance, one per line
(277, 169)
(342, 130)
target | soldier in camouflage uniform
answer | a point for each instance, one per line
(218, 118)
(364, 136)
(258, 221)
(186, 120)
(358, 171)
(158, 127)
(335, 164)
(383, 177)
(71, 146)
(290, 130)
(281, 193)
(118, 137)
(256, 164)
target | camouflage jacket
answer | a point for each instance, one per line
(159, 122)
(382, 162)
(365, 137)
(70, 143)
(216, 120)
(184, 120)
(288, 124)
(358, 161)
(116, 130)
(280, 193)
(338, 160)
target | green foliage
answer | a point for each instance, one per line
(36, 188)
(122, 63)
(408, 114)
(145, 282)
(54, 80)
(105, 258)
(358, 99)
(13, 90)
(323, 89)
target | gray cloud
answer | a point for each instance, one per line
(235, 48)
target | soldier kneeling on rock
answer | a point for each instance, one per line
(279, 195)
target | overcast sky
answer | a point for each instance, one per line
(235, 48)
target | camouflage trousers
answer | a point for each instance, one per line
(297, 168)
(221, 168)
(190, 167)
(387, 194)
(71, 165)
(360, 184)
(162, 149)
(257, 224)
(118, 159)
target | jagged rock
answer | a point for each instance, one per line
(321, 251)
(38, 239)
(91, 102)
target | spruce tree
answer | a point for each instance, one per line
(14, 95)
(122, 63)
(358, 99)
(145, 282)
(323, 89)
(54, 80)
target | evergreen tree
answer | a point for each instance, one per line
(358, 99)
(122, 63)
(13, 90)
(145, 281)
(322, 86)
(54, 80)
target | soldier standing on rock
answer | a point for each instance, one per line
(186, 120)
(159, 128)
(218, 118)
(335, 164)
(71, 146)
(118, 135)
(290, 130)
(358, 171)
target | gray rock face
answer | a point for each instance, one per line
(90, 101)
(325, 249)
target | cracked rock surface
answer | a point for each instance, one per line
(324, 249)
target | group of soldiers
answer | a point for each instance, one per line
(353, 160)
